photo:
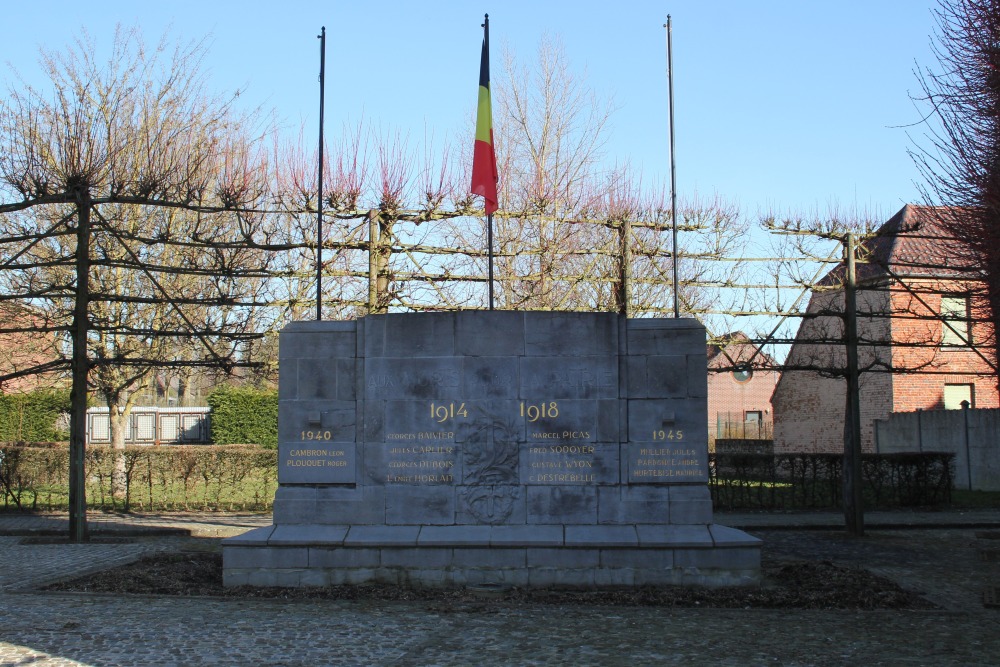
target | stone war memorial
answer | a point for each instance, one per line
(493, 448)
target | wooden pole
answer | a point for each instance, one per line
(854, 515)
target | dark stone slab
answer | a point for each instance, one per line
(414, 378)
(266, 557)
(724, 536)
(317, 421)
(339, 557)
(452, 536)
(327, 339)
(653, 337)
(563, 558)
(637, 558)
(491, 377)
(601, 536)
(431, 504)
(489, 334)
(562, 504)
(423, 558)
(550, 378)
(382, 536)
(533, 535)
(324, 378)
(403, 335)
(690, 504)
(675, 536)
(619, 504)
(665, 443)
(492, 558)
(490, 504)
(570, 334)
(316, 462)
(569, 462)
(302, 534)
(253, 538)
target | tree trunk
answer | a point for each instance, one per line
(80, 369)
(118, 416)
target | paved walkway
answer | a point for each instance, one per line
(948, 556)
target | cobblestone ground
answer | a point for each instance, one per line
(60, 630)
(43, 630)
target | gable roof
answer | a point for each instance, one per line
(913, 243)
(735, 348)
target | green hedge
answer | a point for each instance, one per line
(182, 477)
(244, 416)
(32, 416)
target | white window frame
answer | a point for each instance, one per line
(956, 322)
(969, 394)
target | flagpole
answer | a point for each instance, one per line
(484, 161)
(489, 240)
(489, 216)
(319, 213)
(673, 170)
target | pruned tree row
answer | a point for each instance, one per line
(149, 227)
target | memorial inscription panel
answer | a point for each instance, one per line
(564, 402)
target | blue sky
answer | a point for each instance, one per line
(792, 105)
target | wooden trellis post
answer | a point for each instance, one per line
(625, 267)
(379, 235)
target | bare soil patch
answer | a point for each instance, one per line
(787, 584)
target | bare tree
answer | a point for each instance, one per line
(959, 156)
(128, 198)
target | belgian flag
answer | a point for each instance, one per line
(484, 159)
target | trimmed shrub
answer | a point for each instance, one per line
(183, 477)
(244, 416)
(33, 416)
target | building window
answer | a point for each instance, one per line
(755, 417)
(956, 329)
(742, 374)
(954, 394)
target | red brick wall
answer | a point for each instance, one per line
(809, 408)
(20, 351)
(940, 366)
(732, 399)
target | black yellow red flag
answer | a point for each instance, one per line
(484, 159)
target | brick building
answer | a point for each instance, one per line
(23, 348)
(739, 395)
(919, 342)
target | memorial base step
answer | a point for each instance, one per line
(510, 556)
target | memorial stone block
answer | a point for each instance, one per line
(518, 447)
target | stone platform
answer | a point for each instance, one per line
(538, 556)
(493, 448)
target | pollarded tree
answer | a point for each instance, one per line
(128, 195)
